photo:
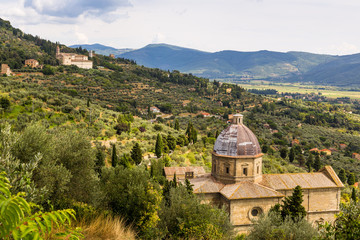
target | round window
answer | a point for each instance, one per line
(255, 212)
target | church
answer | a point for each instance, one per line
(237, 182)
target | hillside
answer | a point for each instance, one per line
(87, 139)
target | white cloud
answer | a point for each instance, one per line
(340, 49)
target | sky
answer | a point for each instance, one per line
(317, 26)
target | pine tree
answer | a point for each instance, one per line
(353, 195)
(291, 155)
(292, 205)
(342, 175)
(317, 163)
(310, 162)
(114, 157)
(159, 146)
(351, 179)
(136, 154)
(176, 125)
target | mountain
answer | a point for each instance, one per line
(343, 71)
(102, 49)
(234, 66)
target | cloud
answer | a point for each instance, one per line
(75, 8)
(343, 48)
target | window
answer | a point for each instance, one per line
(245, 171)
(189, 175)
(257, 169)
(227, 170)
(255, 212)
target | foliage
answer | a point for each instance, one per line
(114, 158)
(159, 146)
(292, 206)
(272, 227)
(131, 193)
(185, 217)
(136, 154)
(18, 222)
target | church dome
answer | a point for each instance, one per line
(237, 140)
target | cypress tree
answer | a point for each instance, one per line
(159, 146)
(310, 162)
(301, 159)
(292, 205)
(291, 155)
(342, 175)
(351, 179)
(216, 133)
(136, 154)
(353, 195)
(317, 163)
(99, 161)
(176, 125)
(171, 142)
(283, 153)
(114, 157)
(189, 186)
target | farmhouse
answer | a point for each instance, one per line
(237, 182)
(5, 69)
(31, 63)
(73, 59)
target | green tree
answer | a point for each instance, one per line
(132, 193)
(283, 153)
(159, 146)
(291, 155)
(351, 179)
(310, 162)
(300, 158)
(292, 205)
(48, 70)
(136, 154)
(342, 175)
(317, 163)
(171, 142)
(114, 158)
(185, 217)
(125, 161)
(353, 195)
(5, 103)
(177, 125)
(100, 159)
(271, 226)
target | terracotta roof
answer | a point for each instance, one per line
(237, 140)
(206, 185)
(325, 178)
(181, 170)
(247, 190)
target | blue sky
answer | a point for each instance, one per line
(319, 26)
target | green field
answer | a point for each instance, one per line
(328, 91)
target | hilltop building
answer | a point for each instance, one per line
(31, 63)
(73, 59)
(237, 182)
(5, 69)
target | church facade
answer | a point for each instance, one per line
(236, 181)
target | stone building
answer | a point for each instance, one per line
(5, 69)
(81, 61)
(31, 63)
(237, 182)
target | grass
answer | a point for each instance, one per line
(327, 91)
(106, 228)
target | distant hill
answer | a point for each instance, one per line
(233, 65)
(102, 49)
(343, 71)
